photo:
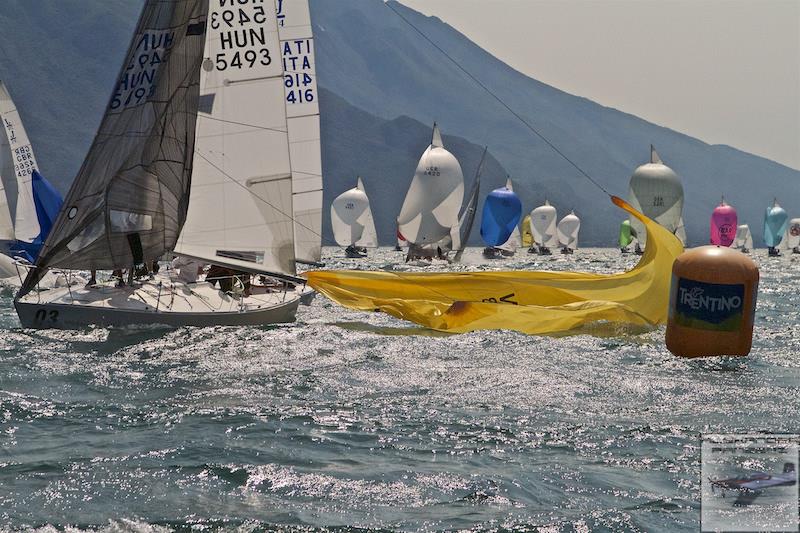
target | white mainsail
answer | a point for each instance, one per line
(543, 225)
(351, 219)
(567, 229)
(656, 191)
(515, 239)
(17, 164)
(302, 111)
(240, 207)
(431, 206)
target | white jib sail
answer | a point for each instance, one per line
(567, 229)
(743, 237)
(656, 191)
(18, 162)
(543, 225)
(432, 203)
(240, 204)
(351, 218)
(302, 110)
(515, 239)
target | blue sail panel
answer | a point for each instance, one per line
(501, 214)
(47, 201)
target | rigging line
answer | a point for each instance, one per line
(209, 117)
(510, 110)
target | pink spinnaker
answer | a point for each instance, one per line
(723, 225)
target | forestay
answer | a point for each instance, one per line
(240, 208)
(129, 199)
(530, 302)
(302, 108)
(17, 164)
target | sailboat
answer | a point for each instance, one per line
(352, 223)
(776, 221)
(657, 192)
(527, 232)
(627, 236)
(158, 179)
(499, 223)
(724, 224)
(37, 201)
(543, 220)
(792, 237)
(429, 216)
(567, 231)
(401, 241)
(744, 239)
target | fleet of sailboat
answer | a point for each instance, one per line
(209, 151)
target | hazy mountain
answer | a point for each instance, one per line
(385, 86)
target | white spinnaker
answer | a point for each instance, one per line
(543, 225)
(567, 230)
(515, 239)
(18, 164)
(302, 110)
(743, 237)
(792, 237)
(347, 210)
(656, 191)
(369, 238)
(240, 205)
(433, 201)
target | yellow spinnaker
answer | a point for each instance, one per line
(530, 302)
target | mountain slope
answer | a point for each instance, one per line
(371, 57)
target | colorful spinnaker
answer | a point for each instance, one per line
(529, 302)
(627, 235)
(724, 222)
(501, 213)
(775, 221)
(527, 234)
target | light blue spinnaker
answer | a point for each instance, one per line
(775, 222)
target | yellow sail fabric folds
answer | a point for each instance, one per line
(530, 302)
(527, 234)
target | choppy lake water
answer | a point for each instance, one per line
(355, 420)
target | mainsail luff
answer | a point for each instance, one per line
(302, 109)
(17, 164)
(129, 200)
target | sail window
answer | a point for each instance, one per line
(240, 255)
(126, 221)
(93, 231)
(72, 212)
(206, 103)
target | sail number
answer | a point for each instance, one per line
(658, 201)
(250, 57)
(43, 315)
(432, 171)
(240, 16)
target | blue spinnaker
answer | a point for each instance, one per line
(501, 213)
(47, 201)
(775, 222)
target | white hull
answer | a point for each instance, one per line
(152, 303)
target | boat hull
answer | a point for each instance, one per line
(118, 307)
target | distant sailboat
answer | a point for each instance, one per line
(744, 239)
(627, 237)
(724, 223)
(543, 221)
(656, 191)
(792, 237)
(401, 241)
(775, 222)
(156, 181)
(352, 223)
(567, 230)
(429, 216)
(499, 224)
(527, 232)
(36, 198)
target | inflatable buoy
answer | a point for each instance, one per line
(712, 303)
